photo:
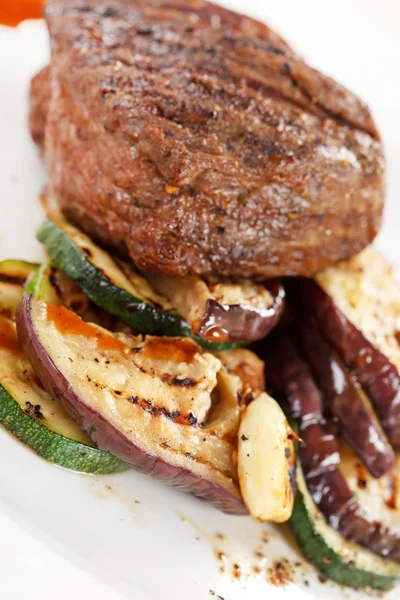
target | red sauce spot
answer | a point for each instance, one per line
(12, 12)
(178, 350)
(8, 337)
(68, 323)
(391, 501)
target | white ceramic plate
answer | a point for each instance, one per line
(142, 538)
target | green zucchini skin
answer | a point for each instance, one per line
(39, 285)
(53, 446)
(133, 311)
(328, 561)
(56, 448)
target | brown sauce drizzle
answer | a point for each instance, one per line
(393, 484)
(8, 337)
(13, 12)
(68, 323)
(217, 334)
(177, 350)
(205, 329)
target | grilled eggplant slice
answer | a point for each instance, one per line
(219, 309)
(319, 454)
(357, 304)
(380, 497)
(13, 277)
(144, 401)
(346, 400)
(162, 405)
(37, 419)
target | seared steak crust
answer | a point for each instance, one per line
(39, 105)
(197, 141)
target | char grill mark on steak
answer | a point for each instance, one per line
(170, 122)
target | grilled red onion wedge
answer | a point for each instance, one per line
(319, 453)
(220, 310)
(144, 400)
(357, 304)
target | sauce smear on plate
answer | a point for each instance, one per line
(12, 12)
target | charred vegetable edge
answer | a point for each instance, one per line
(98, 287)
(105, 434)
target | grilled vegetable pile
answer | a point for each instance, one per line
(218, 314)
(106, 374)
(104, 368)
(335, 366)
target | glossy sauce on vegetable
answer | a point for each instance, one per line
(13, 12)
(8, 337)
(178, 350)
(217, 334)
(206, 329)
(68, 323)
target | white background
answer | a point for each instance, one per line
(358, 42)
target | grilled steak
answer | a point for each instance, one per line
(197, 141)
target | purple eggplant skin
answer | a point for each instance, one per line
(292, 381)
(345, 399)
(374, 371)
(105, 435)
(237, 322)
(330, 492)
